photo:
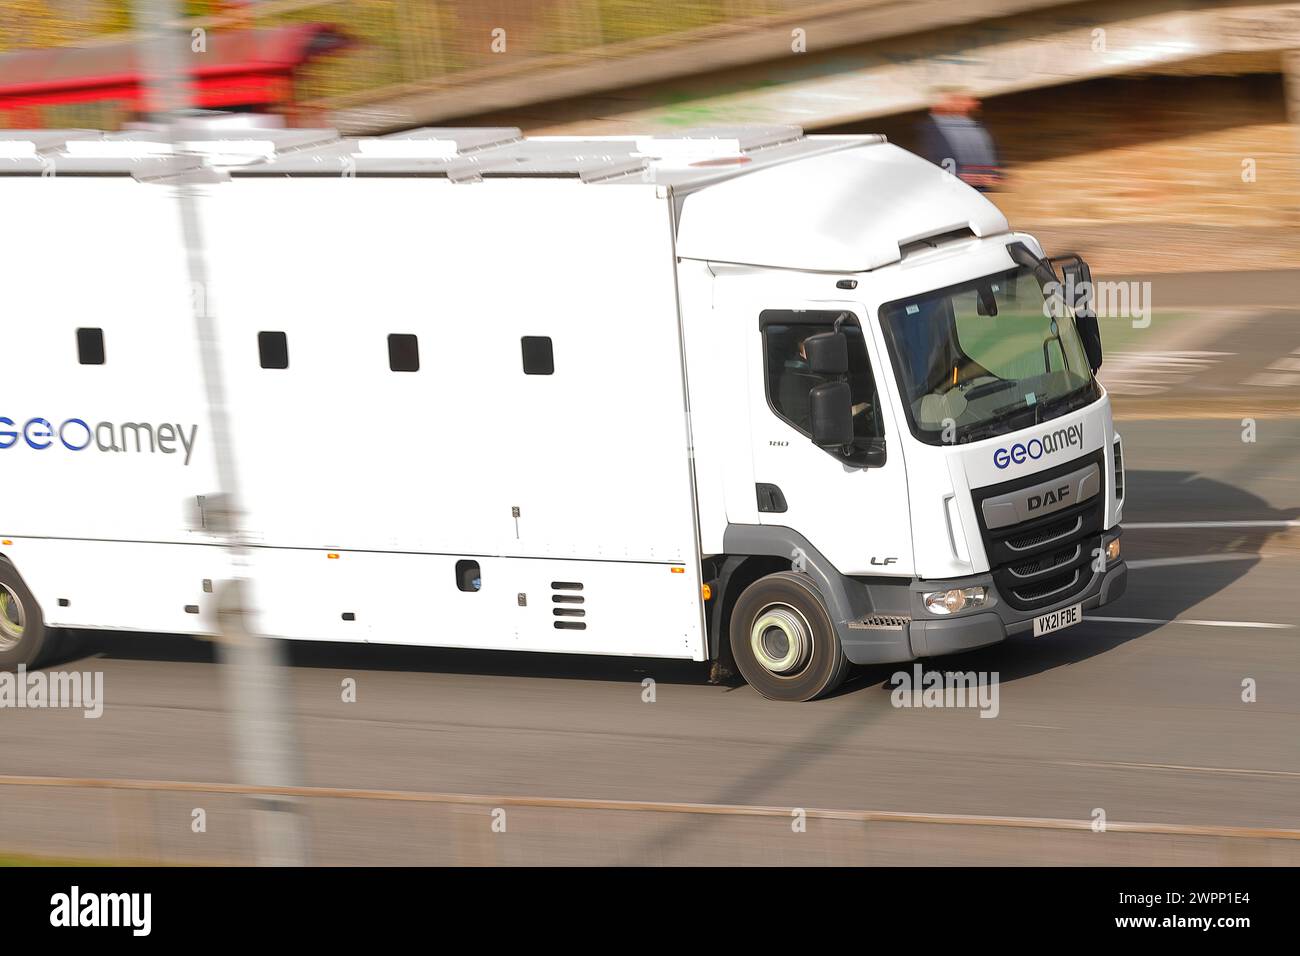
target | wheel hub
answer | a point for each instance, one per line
(13, 619)
(781, 639)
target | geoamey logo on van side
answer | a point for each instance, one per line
(1036, 448)
(75, 434)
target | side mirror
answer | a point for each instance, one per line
(1076, 276)
(1090, 334)
(1078, 291)
(830, 407)
(828, 353)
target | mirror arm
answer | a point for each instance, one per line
(1022, 256)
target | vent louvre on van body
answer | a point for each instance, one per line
(568, 612)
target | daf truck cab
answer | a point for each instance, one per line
(930, 446)
(777, 402)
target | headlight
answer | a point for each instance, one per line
(958, 599)
(1112, 550)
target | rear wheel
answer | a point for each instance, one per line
(784, 640)
(24, 638)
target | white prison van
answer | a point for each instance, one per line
(776, 401)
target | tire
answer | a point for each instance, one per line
(784, 641)
(24, 638)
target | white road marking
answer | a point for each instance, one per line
(1174, 766)
(1145, 373)
(1283, 373)
(1155, 525)
(1273, 379)
(1186, 620)
(1192, 559)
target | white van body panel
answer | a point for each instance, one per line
(397, 475)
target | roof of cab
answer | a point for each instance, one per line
(851, 210)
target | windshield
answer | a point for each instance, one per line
(985, 357)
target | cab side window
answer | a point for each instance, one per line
(789, 379)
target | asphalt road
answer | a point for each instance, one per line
(1137, 712)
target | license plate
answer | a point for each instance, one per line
(1058, 620)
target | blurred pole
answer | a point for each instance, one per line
(1291, 92)
(254, 675)
(1291, 85)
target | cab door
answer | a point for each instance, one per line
(850, 503)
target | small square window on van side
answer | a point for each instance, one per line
(539, 357)
(403, 352)
(273, 349)
(90, 346)
(468, 575)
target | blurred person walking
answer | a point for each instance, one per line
(951, 137)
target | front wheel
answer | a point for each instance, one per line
(784, 641)
(24, 638)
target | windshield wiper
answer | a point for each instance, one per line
(1008, 418)
(1066, 403)
(988, 388)
(996, 426)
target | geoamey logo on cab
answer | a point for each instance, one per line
(75, 434)
(1036, 448)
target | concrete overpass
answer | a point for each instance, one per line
(838, 63)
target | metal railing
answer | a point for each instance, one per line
(415, 41)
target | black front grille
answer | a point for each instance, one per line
(1053, 589)
(1031, 540)
(1049, 562)
(1044, 560)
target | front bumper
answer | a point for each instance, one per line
(932, 635)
